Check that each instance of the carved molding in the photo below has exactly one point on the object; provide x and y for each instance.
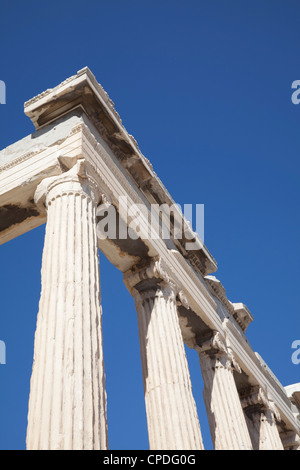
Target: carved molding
(21, 159)
(238, 311)
(253, 396)
(216, 288)
(157, 271)
(32, 153)
(256, 398)
(80, 178)
(153, 270)
(215, 347)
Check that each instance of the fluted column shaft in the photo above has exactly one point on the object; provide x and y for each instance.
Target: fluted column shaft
(262, 415)
(67, 406)
(269, 435)
(225, 414)
(171, 410)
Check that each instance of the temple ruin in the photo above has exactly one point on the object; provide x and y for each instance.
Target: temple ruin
(79, 161)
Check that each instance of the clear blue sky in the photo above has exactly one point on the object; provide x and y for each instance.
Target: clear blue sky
(205, 88)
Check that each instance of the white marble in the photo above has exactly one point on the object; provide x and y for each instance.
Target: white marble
(67, 408)
(225, 414)
(171, 410)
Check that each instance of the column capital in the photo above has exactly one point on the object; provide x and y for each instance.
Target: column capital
(154, 269)
(263, 418)
(153, 274)
(255, 399)
(215, 347)
(80, 179)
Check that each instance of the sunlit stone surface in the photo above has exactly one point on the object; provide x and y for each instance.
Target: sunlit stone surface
(80, 160)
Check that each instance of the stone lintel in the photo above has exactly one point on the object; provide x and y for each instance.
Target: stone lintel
(25, 164)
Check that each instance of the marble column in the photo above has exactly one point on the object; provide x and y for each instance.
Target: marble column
(224, 410)
(262, 416)
(172, 417)
(67, 404)
(290, 440)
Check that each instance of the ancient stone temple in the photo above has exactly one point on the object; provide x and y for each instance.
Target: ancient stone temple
(75, 173)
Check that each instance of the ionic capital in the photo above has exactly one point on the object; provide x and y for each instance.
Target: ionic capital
(214, 344)
(144, 279)
(215, 347)
(80, 179)
(255, 399)
(153, 270)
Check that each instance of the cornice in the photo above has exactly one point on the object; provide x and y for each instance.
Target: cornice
(238, 311)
